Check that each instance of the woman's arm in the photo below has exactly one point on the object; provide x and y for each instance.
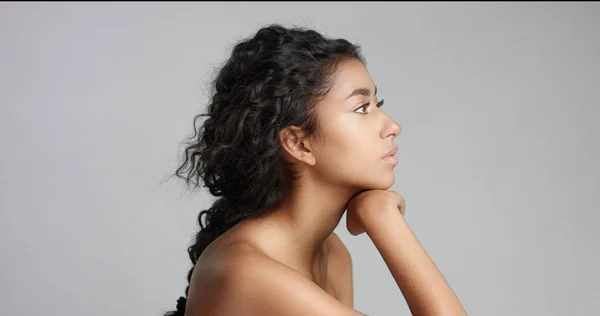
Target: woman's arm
(423, 286)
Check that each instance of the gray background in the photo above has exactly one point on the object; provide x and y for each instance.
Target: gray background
(499, 156)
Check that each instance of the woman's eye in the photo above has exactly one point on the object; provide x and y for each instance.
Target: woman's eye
(364, 106)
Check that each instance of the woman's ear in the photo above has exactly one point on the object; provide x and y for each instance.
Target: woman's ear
(296, 145)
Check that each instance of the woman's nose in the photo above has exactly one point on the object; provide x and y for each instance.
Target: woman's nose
(392, 128)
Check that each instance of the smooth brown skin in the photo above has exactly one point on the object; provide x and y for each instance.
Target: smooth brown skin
(290, 262)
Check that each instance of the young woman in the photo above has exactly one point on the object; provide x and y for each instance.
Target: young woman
(294, 136)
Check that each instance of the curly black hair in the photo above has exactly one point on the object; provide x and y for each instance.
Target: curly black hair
(271, 80)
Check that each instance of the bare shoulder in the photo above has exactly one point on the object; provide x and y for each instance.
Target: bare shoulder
(244, 281)
(340, 270)
(338, 249)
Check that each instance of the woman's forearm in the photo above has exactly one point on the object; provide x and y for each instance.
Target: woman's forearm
(423, 286)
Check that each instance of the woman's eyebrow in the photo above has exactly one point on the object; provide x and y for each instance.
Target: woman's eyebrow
(361, 91)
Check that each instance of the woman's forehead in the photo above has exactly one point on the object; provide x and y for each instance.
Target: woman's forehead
(351, 79)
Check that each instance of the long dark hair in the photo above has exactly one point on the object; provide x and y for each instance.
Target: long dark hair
(270, 81)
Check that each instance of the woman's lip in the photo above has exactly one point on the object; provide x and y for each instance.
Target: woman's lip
(390, 159)
(390, 156)
(392, 152)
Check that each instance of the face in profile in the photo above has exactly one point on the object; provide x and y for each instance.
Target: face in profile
(356, 134)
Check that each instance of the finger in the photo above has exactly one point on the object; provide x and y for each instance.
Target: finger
(399, 198)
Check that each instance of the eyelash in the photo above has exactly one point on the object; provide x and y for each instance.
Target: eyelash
(380, 104)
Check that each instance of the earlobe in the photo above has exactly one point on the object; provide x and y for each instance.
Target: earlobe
(310, 159)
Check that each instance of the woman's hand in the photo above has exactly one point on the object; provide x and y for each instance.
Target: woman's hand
(369, 206)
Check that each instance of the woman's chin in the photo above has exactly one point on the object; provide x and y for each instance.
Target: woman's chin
(383, 182)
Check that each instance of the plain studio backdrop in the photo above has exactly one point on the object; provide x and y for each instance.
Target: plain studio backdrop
(499, 156)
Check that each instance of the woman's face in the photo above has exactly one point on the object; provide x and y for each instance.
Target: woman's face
(354, 136)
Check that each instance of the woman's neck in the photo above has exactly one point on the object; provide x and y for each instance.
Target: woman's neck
(305, 219)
